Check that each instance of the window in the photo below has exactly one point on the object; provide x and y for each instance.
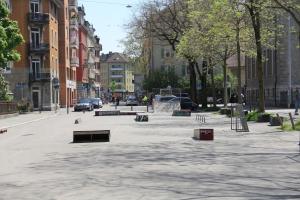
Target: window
(36, 67)
(34, 6)
(35, 37)
(7, 69)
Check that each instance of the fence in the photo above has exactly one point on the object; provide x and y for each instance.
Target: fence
(8, 108)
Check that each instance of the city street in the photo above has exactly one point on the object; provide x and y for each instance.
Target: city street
(146, 160)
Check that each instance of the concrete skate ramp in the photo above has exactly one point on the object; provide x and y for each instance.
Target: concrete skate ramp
(167, 107)
(91, 136)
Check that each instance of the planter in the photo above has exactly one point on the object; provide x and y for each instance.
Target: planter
(263, 117)
(274, 121)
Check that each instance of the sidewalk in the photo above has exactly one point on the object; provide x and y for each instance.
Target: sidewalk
(30, 117)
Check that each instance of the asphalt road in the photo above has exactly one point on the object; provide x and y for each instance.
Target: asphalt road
(144, 161)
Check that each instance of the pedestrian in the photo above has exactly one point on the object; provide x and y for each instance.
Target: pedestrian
(145, 99)
(118, 101)
(297, 101)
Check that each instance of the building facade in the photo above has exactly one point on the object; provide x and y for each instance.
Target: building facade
(88, 74)
(35, 78)
(116, 70)
(160, 56)
(281, 69)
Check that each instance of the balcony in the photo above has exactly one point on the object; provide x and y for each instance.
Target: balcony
(73, 22)
(43, 76)
(74, 62)
(117, 69)
(73, 5)
(40, 48)
(117, 76)
(92, 74)
(38, 18)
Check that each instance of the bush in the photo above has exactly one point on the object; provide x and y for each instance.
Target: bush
(24, 107)
(252, 116)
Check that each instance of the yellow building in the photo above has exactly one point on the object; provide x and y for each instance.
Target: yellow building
(116, 68)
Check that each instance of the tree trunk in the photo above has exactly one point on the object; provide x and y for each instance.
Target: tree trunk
(225, 78)
(255, 17)
(213, 84)
(239, 75)
(204, 85)
(193, 85)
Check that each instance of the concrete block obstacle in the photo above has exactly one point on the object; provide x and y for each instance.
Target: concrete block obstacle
(78, 121)
(128, 113)
(3, 130)
(107, 112)
(91, 136)
(181, 113)
(204, 134)
(141, 118)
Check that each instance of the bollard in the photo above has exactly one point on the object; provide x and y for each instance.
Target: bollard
(131, 108)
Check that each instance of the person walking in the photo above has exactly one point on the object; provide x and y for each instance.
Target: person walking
(297, 101)
(145, 99)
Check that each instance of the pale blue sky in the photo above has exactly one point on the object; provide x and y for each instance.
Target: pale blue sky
(108, 18)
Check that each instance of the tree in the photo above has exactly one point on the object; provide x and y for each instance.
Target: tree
(167, 20)
(10, 38)
(162, 79)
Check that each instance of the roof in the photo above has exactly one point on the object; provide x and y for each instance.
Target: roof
(114, 58)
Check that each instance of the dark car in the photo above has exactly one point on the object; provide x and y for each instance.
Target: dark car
(185, 103)
(97, 102)
(84, 104)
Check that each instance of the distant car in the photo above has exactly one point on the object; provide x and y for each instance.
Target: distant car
(84, 104)
(97, 102)
(185, 103)
(166, 98)
(132, 101)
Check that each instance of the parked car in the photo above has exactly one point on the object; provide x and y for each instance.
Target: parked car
(185, 103)
(84, 104)
(132, 101)
(160, 98)
(97, 102)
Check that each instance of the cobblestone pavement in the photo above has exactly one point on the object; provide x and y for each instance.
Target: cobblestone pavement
(144, 161)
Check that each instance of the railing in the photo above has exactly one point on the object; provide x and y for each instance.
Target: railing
(40, 76)
(74, 61)
(73, 21)
(8, 107)
(38, 48)
(38, 17)
(73, 3)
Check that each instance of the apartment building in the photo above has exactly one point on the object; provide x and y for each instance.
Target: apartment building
(87, 74)
(35, 78)
(67, 73)
(281, 69)
(115, 67)
(160, 56)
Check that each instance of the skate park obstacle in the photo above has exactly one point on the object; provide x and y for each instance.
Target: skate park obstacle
(141, 118)
(91, 136)
(204, 134)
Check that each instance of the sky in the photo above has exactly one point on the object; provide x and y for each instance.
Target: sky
(109, 18)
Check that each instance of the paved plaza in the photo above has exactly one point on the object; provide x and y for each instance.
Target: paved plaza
(145, 161)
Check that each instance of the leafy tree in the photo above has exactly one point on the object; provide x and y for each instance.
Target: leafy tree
(163, 79)
(113, 86)
(10, 38)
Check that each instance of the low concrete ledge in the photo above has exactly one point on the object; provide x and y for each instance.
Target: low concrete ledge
(107, 112)
(128, 112)
(204, 134)
(181, 113)
(91, 136)
(141, 118)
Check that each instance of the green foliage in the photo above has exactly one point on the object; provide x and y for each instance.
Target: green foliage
(10, 37)
(252, 116)
(163, 79)
(287, 126)
(4, 91)
(113, 86)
